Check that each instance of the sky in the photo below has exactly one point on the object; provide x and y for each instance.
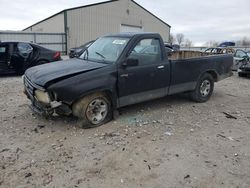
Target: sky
(199, 20)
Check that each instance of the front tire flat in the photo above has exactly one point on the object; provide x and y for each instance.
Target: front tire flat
(93, 110)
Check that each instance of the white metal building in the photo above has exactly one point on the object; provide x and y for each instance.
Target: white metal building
(85, 23)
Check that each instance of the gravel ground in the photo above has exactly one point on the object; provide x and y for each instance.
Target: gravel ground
(170, 142)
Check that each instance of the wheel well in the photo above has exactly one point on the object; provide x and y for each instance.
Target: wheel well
(213, 74)
(107, 93)
(111, 98)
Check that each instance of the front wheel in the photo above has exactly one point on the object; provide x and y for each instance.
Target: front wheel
(204, 89)
(93, 110)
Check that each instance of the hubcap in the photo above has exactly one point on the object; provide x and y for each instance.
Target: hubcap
(205, 88)
(97, 111)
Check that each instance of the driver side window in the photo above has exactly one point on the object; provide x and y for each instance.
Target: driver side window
(147, 51)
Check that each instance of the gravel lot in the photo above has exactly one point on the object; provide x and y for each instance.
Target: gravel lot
(170, 142)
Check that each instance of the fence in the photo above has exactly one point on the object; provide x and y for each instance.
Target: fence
(53, 41)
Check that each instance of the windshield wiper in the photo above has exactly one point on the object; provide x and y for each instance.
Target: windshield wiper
(87, 54)
(100, 55)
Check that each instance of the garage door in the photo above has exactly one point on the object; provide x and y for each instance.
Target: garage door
(128, 28)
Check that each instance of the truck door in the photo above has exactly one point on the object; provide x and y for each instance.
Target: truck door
(145, 74)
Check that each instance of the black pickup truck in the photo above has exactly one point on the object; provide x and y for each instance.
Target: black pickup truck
(120, 70)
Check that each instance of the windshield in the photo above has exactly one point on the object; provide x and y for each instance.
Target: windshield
(105, 49)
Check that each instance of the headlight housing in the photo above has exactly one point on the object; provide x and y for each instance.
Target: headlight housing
(42, 96)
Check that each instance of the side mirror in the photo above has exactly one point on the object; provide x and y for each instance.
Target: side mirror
(130, 62)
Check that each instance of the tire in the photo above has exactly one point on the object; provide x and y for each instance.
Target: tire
(242, 74)
(204, 89)
(93, 110)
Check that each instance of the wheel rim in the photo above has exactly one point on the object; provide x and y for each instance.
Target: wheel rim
(205, 88)
(97, 111)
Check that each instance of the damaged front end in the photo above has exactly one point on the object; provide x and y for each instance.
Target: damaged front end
(43, 102)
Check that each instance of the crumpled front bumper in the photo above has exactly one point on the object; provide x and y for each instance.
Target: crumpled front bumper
(41, 108)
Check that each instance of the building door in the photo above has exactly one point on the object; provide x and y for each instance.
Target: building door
(129, 28)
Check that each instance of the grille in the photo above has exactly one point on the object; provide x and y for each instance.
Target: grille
(28, 87)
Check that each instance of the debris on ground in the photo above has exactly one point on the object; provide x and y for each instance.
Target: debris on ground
(28, 175)
(220, 135)
(149, 167)
(4, 150)
(40, 126)
(168, 133)
(229, 116)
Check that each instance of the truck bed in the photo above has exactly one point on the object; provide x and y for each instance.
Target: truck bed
(187, 66)
(178, 55)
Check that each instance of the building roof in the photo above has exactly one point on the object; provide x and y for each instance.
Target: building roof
(130, 34)
(95, 4)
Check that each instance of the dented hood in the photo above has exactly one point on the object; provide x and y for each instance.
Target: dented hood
(51, 72)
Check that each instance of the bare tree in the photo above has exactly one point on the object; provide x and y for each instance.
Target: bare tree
(211, 43)
(245, 41)
(171, 38)
(179, 38)
(188, 43)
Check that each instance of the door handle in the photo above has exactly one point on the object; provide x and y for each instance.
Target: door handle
(161, 67)
(124, 75)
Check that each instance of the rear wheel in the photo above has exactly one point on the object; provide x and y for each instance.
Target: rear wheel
(204, 89)
(93, 110)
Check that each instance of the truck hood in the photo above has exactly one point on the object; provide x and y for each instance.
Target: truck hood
(56, 71)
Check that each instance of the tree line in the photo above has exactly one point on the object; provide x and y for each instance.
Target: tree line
(180, 39)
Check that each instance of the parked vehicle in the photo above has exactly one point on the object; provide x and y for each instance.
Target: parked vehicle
(120, 70)
(226, 44)
(171, 47)
(240, 57)
(244, 69)
(220, 50)
(244, 63)
(16, 57)
(77, 52)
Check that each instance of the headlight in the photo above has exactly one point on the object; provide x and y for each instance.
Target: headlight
(42, 96)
